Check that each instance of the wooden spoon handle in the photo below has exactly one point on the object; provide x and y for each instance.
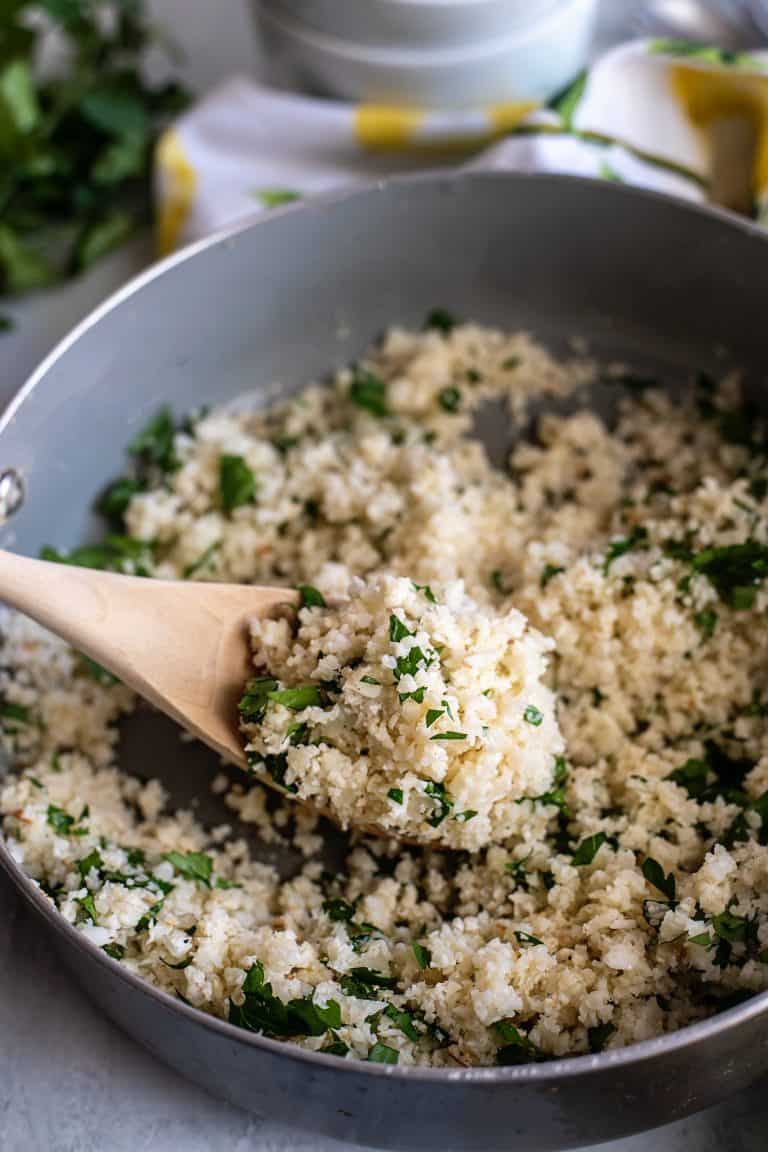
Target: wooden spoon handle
(181, 645)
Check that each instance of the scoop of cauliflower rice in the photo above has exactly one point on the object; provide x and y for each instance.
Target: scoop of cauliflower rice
(406, 708)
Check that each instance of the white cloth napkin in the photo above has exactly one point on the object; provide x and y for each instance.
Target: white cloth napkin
(648, 113)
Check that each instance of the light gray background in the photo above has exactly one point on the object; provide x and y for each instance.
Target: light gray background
(69, 1080)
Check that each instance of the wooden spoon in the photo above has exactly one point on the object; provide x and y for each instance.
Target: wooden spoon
(181, 645)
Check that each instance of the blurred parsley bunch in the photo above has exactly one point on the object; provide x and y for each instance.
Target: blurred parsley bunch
(76, 138)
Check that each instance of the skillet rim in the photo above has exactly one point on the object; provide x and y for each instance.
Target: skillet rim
(547, 1073)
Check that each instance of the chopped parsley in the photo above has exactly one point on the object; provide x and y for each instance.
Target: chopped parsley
(422, 954)
(396, 795)
(443, 802)
(237, 483)
(654, 874)
(382, 1054)
(202, 562)
(310, 597)
(449, 736)
(297, 699)
(88, 907)
(369, 680)
(450, 399)
(532, 715)
(116, 951)
(397, 630)
(465, 816)
(368, 391)
(365, 982)
(12, 716)
(339, 910)
(253, 704)
(433, 714)
(441, 320)
(154, 445)
(193, 865)
(637, 538)
(428, 593)
(548, 572)
(735, 571)
(527, 938)
(588, 848)
(64, 824)
(598, 1037)
(517, 1048)
(113, 503)
(706, 622)
(497, 579)
(262, 1011)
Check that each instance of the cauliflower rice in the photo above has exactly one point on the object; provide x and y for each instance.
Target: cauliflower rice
(613, 578)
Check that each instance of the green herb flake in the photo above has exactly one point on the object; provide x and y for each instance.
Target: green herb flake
(588, 849)
(339, 910)
(449, 736)
(88, 907)
(654, 874)
(310, 597)
(370, 680)
(548, 572)
(65, 825)
(262, 1011)
(598, 1037)
(13, 716)
(443, 801)
(116, 951)
(397, 630)
(276, 197)
(637, 538)
(532, 715)
(237, 483)
(369, 392)
(706, 622)
(440, 320)
(155, 444)
(395, 795)
(195, 866)
(382, 1054)
(433, 714)
(297, 699)
(253, 704)
(364, 983)
(203, 561)
(422, 954)
(517, 1048)
(114, 503)
(428, 593)
(465, 816)
(527, 938)
(449, 399)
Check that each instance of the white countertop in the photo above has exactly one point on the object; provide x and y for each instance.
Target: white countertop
(69, 1080)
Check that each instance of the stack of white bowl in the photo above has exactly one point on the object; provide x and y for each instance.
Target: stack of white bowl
(429, 52)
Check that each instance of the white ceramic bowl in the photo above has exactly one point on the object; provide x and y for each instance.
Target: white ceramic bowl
(529, 64)
(413, 23)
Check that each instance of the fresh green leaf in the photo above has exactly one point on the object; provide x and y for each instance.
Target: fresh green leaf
(588, 848)
(441, 320)
(339, 910)
(397, 630)
(428, 593)
(396, 795)
(310, 597)
(382, 1054)
(637, 538)
(155, 445)
(262, 1011)
(88, 906)
(433, 714)
(365, 982)
(517, 1047)
(202, 561)
(449, 399)
(116, 951)
(91, 861)
(193, 865)
(101, 236)
(403, 1020)
(64, 824)
(297, 699)
(598, 1037)
(13, 716)
(548, 573)
(527, 938)
(422, 954)
(654, 874)
(275, 198)
(706, 622)
(253, 703)
(237, 483)
(693, 776)
(18, 99)
(114, 503)
(370, 680)
(368, 391)
(465, 816)
(533, 715)
(449, 736)
(443, 801)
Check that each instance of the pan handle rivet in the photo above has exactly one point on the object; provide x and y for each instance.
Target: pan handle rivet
(11, 493)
